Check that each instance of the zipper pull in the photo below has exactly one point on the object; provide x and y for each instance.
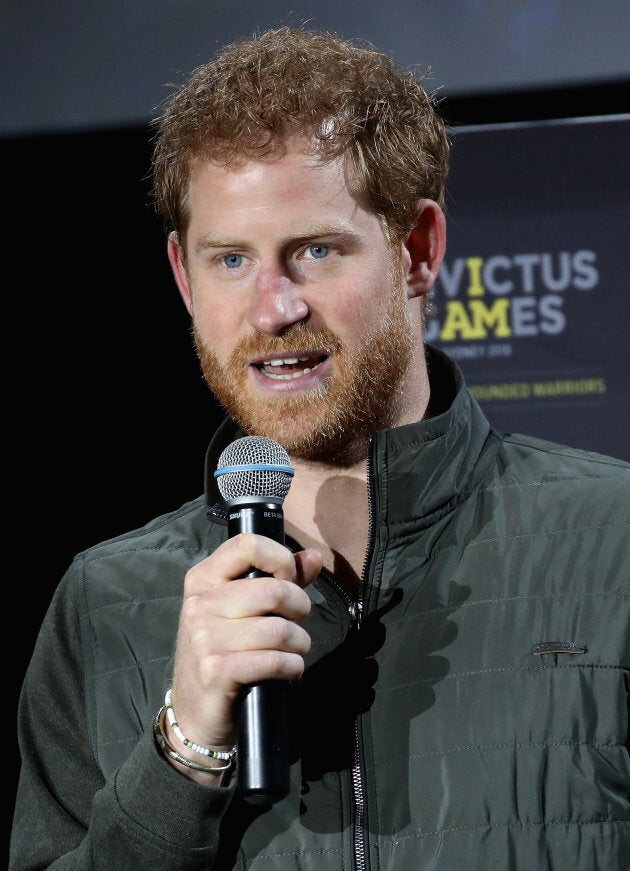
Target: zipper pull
(356, 612)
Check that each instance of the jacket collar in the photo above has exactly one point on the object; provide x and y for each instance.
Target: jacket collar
(419, 470)
(422, 470)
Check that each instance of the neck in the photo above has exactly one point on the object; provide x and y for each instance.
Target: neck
(327, 508)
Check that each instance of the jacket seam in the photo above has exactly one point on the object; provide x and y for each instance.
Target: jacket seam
(473, 748)
(514, 825)
(505, 669)
(516, 536)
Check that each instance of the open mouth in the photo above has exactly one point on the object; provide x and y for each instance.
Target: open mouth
(288, 368)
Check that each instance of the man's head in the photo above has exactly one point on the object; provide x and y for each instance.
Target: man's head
(346, 100)
(303, 179)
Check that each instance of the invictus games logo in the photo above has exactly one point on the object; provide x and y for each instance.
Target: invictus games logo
(508, 297)
(482, 307)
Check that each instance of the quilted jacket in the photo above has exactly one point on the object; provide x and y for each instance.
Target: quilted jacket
(470, 711)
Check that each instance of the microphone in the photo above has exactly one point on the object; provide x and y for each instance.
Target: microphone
(253, 476)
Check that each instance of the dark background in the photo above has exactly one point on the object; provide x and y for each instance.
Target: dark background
(109, 416)
(82, 66)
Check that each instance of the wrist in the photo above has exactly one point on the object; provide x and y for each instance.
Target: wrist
(215, 767)
(172, 728)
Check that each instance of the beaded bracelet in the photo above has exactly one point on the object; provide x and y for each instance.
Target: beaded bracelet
(198, 748)
(165, 745)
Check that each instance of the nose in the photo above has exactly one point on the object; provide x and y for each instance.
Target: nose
(277, 301)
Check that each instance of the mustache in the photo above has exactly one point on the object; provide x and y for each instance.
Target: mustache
(297, 337)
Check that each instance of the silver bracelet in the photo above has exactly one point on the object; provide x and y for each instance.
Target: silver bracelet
(166, 747)
(198, 748)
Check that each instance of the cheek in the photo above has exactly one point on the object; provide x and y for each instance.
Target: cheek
(369, 301)
(218, 323)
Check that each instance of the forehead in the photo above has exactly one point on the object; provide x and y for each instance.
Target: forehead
(279, 187)
(292, 162)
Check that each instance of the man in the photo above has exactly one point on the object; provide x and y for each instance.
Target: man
(451, 613)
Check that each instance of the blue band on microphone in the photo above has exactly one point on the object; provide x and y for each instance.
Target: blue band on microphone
(254, 467)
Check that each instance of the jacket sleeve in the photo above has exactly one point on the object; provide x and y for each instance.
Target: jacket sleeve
(67, 816)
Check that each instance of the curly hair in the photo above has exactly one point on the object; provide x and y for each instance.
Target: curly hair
(345, 100)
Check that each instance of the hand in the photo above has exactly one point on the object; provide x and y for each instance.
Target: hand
(235, 631)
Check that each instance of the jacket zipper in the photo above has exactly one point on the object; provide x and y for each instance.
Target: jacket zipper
(355, 609)
(360, 855)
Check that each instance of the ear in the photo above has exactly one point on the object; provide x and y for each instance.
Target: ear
(424, 248)
(176, 259)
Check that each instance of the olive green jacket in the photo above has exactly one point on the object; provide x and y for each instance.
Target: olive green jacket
(474, 716)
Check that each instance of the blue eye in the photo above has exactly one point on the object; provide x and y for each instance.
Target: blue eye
(232, 261)
(318, 251)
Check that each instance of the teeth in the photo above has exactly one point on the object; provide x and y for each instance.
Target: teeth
(279, 377)
(288, 361)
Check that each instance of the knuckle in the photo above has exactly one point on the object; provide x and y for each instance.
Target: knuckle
(191, 606)
(246, 543)
(277, 663)
(212, 669)
(193, 578)
(279, 631)
(275, 592)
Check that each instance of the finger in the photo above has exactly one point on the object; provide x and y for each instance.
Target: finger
(221, 674)
(238, 555)
(262, 633)
(308, 564)
(251, 667)
(247, 597)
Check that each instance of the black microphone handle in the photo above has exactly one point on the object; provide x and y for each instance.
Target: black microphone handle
(263, 743)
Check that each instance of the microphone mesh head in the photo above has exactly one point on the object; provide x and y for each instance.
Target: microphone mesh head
(254, 466)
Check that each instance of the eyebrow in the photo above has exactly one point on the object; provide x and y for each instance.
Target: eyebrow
(338, 231)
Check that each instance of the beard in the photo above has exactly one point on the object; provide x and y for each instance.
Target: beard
(331, 424)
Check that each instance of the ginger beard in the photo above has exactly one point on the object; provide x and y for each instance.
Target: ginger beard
(332, 423)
